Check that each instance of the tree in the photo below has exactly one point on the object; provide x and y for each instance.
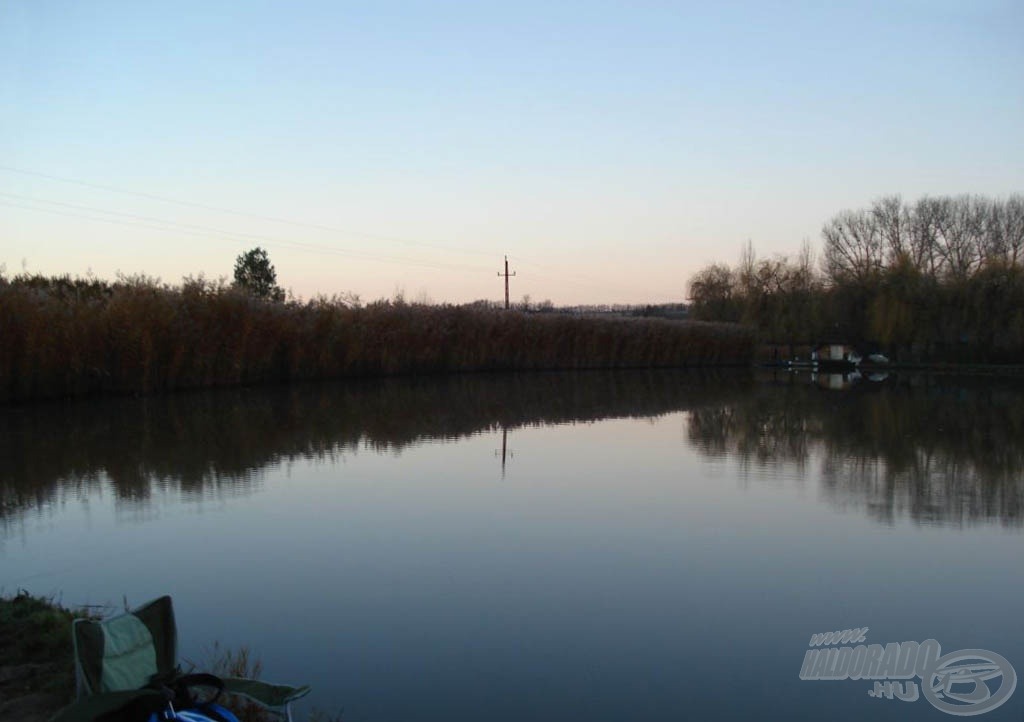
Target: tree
(255, 274)
(854, 247)
(713, 294)
(1005, 231)
(960, 226)
(893, 221)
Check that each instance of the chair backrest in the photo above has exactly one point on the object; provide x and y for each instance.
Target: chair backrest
(124, 652)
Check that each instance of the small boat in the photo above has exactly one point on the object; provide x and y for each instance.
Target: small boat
(835, 357)
(836, 381)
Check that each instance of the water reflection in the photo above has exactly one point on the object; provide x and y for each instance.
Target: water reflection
(932, 449)
(939, 450)
(214, 444)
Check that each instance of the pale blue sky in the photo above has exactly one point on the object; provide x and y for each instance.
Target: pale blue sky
(610, 149)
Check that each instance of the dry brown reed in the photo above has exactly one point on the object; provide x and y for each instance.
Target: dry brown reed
(63, 337)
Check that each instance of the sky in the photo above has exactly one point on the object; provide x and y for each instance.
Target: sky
(609, 149)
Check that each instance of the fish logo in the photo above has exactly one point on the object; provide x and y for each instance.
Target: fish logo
(958, 684)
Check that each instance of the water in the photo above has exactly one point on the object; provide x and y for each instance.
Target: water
(559, 546)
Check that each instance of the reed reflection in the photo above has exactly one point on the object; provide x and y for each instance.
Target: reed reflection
(215, 443)
(937, 450)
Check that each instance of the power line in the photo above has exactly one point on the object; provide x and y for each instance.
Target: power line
(213, 233)
(245, 214)
(91, 209)
(207, 231)
(584, 281)
(217, 232)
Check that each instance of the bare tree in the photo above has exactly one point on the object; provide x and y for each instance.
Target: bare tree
(802, 276)
(1013, 227)
(959, 224)
(925, 224)
(1004, 230)
(747, 268)
(854, 247)
(893, 221)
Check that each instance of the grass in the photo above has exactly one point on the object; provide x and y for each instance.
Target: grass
(37, 631)
(242, 662)
(65, 337)
(35, 636)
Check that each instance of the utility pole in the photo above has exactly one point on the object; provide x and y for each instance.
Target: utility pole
(506, 274)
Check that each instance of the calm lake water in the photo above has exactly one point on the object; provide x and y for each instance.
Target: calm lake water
(602, 546)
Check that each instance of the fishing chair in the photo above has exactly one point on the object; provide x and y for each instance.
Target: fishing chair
(127, 661)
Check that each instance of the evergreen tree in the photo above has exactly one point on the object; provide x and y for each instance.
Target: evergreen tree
(255, 274)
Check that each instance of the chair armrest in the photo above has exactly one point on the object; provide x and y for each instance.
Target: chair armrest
(269, 695)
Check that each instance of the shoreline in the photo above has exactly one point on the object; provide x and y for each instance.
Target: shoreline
(37, 673)
(139, 338)
(945, 369)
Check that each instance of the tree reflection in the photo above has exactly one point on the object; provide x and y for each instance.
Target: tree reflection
(931, 449)
(934, 449)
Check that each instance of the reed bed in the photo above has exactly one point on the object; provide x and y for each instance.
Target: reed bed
(62, 337)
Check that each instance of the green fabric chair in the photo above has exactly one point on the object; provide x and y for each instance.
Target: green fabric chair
(115, 660)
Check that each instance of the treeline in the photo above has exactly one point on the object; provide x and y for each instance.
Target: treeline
(646, 310)
(941, 279)
(70, 337)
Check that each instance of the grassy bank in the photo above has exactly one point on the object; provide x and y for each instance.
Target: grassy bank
(71, 337)
(38, 675)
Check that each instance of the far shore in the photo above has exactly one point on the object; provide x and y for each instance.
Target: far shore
(67, 338)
